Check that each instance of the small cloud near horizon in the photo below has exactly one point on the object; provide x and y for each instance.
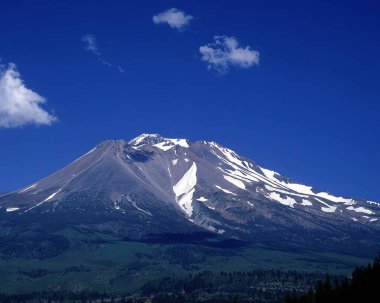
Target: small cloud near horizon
(19, 105)
(225, 52)
(174, 18)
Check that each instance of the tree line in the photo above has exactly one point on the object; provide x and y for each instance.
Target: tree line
(362, 287)
(259, 286)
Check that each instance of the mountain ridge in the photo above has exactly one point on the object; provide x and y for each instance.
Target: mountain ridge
(155, 185)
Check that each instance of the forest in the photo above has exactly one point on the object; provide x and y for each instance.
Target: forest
(259, 286)
(362, 287)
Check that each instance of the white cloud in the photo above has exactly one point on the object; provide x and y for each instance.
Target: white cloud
(90, 44)
(20, 105)
(174, 18)
(225, 52)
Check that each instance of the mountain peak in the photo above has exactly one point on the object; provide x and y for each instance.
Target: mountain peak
(157, 141)
(145, 138)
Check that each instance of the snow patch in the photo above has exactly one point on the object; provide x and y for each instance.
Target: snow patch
(164, 146)
(141, 138)
(300, 188)
(202, 199)
(335, 199)
(270, 188)
(288, 201)
(306, 202)
(241, 175)
(270, 174)
(225, 190)
(137, 147)
(330, 209)
(211, 228)
(11, 209)
(323, 202)
(46, 200)
(174, 162)
(180, 142)
(304, 189)
(373, 203)
(360, 210)
(185, 188)
(240, 171)
(52, 195)
(134, 204)
(167, 144)
(307, 190)
(235, 182)
(28, 188)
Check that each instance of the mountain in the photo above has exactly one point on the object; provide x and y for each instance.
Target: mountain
(152, 187)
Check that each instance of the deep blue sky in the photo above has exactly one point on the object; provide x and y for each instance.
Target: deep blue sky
(310, 110)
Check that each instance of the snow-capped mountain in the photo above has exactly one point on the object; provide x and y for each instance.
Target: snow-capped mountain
(152, 185)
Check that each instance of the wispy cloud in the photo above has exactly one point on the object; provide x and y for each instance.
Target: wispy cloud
(19, 105)
(225, 52)
(174, 18)
(90, 44)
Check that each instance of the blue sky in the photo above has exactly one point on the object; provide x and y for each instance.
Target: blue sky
(307, 107)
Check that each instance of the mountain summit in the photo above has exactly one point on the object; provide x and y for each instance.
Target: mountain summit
(154, 185)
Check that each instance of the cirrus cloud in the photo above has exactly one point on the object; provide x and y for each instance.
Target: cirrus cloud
(225, 52)
(19, 105)
(90, 44)
(174, 18)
